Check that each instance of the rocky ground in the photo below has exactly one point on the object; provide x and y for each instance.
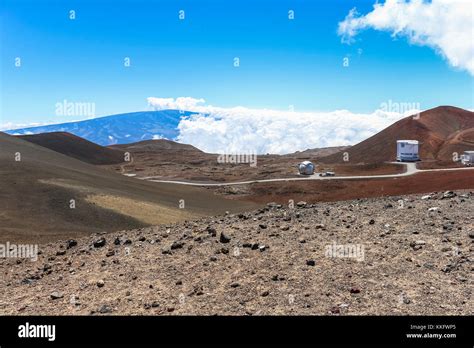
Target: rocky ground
(417, 259)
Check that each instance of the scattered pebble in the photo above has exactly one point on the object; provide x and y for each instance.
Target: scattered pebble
(56, 295)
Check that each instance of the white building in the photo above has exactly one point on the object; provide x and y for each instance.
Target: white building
(306, 168)
(407, 150)
(467, 158)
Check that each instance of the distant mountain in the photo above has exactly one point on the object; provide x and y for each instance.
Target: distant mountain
(76, 147)
(317, 152)
(155, 145)
(118, 129)
(441, 131)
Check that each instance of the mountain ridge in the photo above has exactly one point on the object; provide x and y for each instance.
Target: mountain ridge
(76, 147)
(117, 129)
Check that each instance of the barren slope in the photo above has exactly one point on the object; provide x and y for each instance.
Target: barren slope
(36, 194)
(76, 147)
(270, 261)
(155, 146)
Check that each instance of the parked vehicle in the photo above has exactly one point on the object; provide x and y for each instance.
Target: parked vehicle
(467, 158)
(327, 174)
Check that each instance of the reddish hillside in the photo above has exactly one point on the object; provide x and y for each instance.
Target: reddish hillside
(76, 147)
(458, 142)
(441, 131)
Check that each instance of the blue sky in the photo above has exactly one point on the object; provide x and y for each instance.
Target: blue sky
(282, 62)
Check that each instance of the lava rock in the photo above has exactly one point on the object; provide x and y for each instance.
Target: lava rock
(448, 195)
(176, 245)
(301, 204)
(225, 251)
(223, 238)
(71, 243)
(99, 243)
(212, 231)
(56, 295)
(105, 309)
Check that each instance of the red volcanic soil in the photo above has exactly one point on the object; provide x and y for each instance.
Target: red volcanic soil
(441, 131)
(73, 146)
(362, 169)
(457, 143)
(336, 190)
(433, 164)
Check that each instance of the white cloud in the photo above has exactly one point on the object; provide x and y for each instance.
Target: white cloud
(447, 26)
(11, 125)
(181, 103)
(240, 129)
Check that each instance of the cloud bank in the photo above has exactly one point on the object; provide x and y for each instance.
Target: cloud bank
(447, 26)
(240, 130)
(11, 125)
(180, 103)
